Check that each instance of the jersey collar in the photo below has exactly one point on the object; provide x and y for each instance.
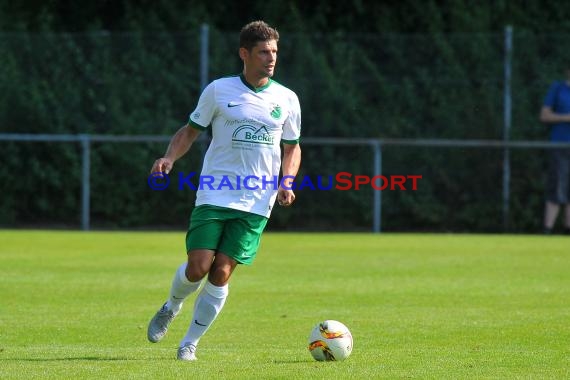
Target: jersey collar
(254, 89)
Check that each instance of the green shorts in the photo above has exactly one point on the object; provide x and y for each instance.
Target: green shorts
(235, 233)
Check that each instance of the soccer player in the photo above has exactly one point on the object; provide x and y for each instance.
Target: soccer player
(251, 115)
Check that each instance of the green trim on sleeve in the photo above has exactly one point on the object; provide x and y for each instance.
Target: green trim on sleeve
(290, 142)
(195, 125)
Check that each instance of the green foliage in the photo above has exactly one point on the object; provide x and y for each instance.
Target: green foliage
(97, 83)
(372, 71)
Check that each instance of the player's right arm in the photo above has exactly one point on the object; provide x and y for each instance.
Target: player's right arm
(179, 145)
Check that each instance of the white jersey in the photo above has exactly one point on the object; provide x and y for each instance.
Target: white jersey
(242, 164)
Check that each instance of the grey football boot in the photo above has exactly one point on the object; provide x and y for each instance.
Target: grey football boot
(158, 325)
(187, 352)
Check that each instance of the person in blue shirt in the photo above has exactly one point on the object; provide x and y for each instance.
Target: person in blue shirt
(555, 113)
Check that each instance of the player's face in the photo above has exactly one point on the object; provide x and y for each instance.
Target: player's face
(262, 58)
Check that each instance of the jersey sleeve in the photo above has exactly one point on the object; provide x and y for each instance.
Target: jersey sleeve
(292, 126)
(202, 116)
(550, 98)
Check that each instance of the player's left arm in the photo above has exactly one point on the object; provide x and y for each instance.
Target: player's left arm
(290, 167)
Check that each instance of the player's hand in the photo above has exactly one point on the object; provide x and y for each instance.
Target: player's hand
(285, 197)
(162, 165)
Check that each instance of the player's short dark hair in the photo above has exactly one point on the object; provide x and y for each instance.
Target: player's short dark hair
(255, 32)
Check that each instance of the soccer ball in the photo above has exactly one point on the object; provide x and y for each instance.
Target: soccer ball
(330, 340)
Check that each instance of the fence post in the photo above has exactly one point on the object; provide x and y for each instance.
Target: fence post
(377, 206)
(204, 66)
(507, 111)
(85, 180)
(204, 44)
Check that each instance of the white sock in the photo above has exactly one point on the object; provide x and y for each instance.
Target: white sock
(180, 289)
(208, 305)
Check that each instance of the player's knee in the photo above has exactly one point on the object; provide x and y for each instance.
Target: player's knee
(196, 271)
(199, 264)
(220, 274)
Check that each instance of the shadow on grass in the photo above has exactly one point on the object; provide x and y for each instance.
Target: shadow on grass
(94, 358)
(292, 361)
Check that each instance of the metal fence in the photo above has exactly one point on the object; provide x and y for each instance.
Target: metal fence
(448, 105)
(376, 148)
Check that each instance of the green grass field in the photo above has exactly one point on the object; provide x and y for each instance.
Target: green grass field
(76, 305)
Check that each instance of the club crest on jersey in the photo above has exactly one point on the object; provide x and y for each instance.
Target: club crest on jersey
(275, 111)
(248, 134)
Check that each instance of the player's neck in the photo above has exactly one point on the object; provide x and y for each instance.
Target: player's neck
(255, 81)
